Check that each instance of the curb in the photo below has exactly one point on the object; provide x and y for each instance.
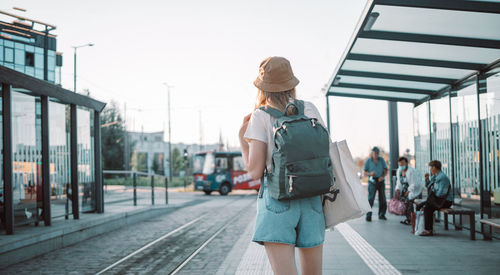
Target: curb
(38, 244)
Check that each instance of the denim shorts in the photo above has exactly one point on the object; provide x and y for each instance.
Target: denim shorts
(298, 222)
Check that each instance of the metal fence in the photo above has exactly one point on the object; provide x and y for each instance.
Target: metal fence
(120, 186)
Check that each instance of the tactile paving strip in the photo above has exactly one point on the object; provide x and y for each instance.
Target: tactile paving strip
(375, 261)
(254, 261)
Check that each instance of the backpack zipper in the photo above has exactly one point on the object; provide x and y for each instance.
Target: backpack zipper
(290, 182)
(313, 121)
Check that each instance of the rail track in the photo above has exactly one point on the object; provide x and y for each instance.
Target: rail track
(162, 254)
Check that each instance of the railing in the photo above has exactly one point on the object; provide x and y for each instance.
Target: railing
(130, 179)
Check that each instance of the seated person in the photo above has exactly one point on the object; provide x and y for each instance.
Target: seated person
(440, 195)
(408, 186)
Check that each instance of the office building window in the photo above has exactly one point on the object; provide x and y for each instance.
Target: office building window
(9, 55)
(29, 59)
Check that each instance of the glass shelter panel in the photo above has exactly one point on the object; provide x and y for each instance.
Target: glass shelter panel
(490, 137)
(441, 133)
(422, 137)
(437, 22)
(86, 178)
(391, 83)
(425, 51)
(26, 157)
(403, 69)
(60, 161)
(466, 145)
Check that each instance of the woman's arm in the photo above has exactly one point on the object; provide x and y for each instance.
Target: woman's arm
(255, 159)
(253, 152)
(398, 180)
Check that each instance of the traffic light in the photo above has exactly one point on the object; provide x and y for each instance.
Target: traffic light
(185, 154)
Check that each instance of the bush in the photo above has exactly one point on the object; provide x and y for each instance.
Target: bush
(146, 181)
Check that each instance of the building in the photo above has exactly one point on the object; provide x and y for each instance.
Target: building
(24, 48)
(151, 151)
(417, 52)
(50, 137)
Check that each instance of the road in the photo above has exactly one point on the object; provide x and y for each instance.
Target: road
(189, 240)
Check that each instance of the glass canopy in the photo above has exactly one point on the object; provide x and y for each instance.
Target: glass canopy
(412, 51)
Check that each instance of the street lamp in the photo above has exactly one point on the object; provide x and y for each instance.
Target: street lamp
(74, 68)
(169, 133)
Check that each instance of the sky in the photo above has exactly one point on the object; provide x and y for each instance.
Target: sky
(209, 53)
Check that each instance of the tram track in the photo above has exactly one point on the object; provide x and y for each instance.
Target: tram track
(162, 254)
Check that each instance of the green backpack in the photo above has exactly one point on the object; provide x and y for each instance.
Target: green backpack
(301, 164)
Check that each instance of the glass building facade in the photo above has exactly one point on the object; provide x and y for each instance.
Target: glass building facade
(49, 137)
(26, 56)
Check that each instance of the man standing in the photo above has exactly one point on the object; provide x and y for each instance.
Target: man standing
(376, 170)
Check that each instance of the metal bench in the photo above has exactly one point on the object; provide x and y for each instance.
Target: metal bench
(457, 210)
(493, 223)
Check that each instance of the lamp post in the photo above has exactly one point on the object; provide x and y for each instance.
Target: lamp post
(74, 68)
(169, 133)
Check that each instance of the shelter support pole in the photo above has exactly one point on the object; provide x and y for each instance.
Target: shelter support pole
(7, 159)
(485, 195)
(328, 114)
(393, 142)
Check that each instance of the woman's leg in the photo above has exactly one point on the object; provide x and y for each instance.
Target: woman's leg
(311, 260)
(282, 258)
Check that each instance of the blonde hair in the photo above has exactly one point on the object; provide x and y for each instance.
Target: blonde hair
(277, 100)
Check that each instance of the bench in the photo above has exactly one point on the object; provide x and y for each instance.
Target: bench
(457, 210)
(491, 222)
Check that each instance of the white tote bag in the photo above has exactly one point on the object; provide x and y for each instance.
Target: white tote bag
(419, 223)
(351, 201)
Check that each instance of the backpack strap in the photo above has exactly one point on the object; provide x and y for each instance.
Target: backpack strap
(273, 112)
(261, 189)
(299, 104)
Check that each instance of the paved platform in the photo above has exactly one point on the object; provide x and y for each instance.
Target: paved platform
(30, 240)
(381, 247)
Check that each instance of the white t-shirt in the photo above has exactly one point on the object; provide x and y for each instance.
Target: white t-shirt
(260, 127)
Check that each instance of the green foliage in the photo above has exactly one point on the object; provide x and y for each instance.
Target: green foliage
(178, 161)
(113, 136)
(141, 162)
(146, 181)
(156, 166)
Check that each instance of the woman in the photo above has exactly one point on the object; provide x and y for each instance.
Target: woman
(440, 195)
(280, 225)
(408, 187)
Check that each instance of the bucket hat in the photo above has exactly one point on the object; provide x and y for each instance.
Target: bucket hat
(275, 75)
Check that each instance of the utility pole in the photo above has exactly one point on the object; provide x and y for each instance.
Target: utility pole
(186, 167)
(169, 133)
(74, 64)
(201, 133)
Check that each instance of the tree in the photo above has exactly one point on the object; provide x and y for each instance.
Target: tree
(156, 166)
(177, 161)
(113, 138)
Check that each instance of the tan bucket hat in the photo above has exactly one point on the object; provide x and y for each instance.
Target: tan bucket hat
(275, 75)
